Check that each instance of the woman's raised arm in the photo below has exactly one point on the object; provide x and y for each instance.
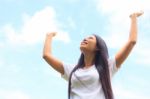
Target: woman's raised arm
(47, 54)
(123, 53)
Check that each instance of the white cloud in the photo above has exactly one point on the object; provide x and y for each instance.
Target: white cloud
(13, 95)
(122, 7)
(117, 12)
(35, 27)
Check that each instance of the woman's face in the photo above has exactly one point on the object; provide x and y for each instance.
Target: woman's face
(88, 44)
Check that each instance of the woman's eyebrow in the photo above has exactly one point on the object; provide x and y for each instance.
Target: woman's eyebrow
(90, 37)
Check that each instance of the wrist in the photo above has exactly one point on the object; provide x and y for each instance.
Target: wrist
(133, 19)
(49, 36)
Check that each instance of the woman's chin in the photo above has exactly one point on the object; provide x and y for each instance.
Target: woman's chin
(83, 48)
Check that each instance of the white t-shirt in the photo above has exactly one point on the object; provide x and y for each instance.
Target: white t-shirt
(85, 82)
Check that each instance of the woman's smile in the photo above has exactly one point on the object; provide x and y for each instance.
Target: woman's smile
(84, 42)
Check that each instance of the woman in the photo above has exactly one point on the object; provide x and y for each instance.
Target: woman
(91, 77)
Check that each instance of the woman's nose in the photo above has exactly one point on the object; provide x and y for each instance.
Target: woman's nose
(85, 39)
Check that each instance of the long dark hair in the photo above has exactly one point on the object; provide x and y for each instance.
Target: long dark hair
(101, 63)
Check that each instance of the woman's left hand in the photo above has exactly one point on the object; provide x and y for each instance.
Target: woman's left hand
(136, 14)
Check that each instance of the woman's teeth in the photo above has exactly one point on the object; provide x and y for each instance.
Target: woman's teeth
(84, 43)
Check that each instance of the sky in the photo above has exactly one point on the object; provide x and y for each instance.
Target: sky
(23, 26)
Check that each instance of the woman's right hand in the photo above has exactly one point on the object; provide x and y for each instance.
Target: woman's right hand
(51, 34)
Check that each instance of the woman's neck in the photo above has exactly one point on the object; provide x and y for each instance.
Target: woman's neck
(89, 59)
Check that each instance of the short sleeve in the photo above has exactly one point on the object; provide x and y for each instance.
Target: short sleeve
(112, 66)
(67, 70)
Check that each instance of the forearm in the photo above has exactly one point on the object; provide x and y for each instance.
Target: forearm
(47, 50)
(133, 31)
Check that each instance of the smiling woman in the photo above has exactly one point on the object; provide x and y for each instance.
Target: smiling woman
(91, 77)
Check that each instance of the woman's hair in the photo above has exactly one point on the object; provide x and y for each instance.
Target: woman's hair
(101, 63)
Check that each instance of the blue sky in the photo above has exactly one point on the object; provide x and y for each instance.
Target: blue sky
(24, 24)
